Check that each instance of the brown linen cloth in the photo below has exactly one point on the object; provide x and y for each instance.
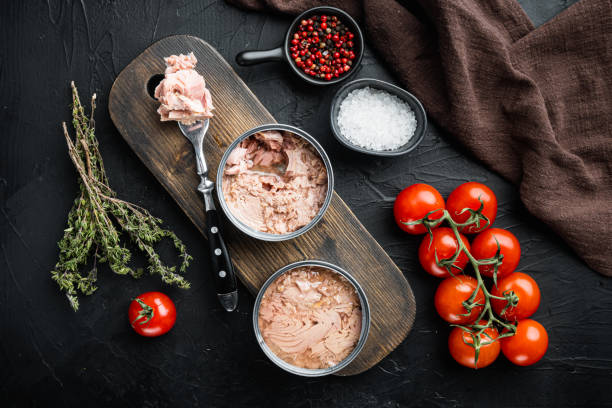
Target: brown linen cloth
(535, 105)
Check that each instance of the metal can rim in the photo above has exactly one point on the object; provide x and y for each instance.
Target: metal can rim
(307, 372)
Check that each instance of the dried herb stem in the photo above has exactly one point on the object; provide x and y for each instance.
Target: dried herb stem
(95, 215)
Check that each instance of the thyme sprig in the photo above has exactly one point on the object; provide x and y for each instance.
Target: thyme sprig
(98, 218)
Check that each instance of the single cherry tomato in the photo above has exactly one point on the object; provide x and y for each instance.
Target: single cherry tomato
(444, 245)
(451, 294)
(152, 314)
(528, 345)
(468, 195)
(465, 354)
(527, 291)
(484, 246)
(414, 203)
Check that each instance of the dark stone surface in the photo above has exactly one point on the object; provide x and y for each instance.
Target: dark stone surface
(50, 356)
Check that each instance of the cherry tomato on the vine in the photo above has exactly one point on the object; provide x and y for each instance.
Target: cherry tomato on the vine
(465, 354)
(152, 314)
(451, 294)
(527, 291)
(468, 195)
(414, 203)
(528, 345)
(484, 246)
(444, 245)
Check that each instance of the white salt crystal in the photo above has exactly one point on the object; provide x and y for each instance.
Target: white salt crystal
(376, 120)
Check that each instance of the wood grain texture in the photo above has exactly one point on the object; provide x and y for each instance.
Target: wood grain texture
(338, 238)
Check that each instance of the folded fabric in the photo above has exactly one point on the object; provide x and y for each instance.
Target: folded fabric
(534, 105)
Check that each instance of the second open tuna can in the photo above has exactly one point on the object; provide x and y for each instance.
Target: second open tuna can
(311, 318)
(276, 203)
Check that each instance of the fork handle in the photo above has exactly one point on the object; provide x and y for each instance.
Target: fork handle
(222, 268)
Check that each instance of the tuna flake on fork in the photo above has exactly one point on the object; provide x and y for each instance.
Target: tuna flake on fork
(182, 93)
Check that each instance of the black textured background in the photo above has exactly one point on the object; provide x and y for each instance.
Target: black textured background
(50, 356)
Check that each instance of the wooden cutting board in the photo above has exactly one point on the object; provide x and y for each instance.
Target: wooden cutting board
(338, 238)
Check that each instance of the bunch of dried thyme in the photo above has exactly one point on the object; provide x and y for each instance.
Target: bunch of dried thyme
(98, 218)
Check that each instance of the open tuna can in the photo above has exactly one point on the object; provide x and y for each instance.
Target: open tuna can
(275, 182)
(323, 46)
(311, 318)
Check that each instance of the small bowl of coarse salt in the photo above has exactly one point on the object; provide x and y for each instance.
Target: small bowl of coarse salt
(375, 117)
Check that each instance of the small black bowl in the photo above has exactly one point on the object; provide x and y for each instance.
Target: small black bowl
(410, 99)
(282, 53)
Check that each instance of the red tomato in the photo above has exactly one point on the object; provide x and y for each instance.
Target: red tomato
(465, 354)
(152, 314)
(444, 244)
(485, 246)
(528, 345)
(527, 291)
(451, 294)
(413, 203)
(468, 195)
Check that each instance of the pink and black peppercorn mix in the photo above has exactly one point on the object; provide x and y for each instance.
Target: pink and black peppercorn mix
(323, 47)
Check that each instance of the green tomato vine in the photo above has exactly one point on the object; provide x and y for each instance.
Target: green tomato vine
(477, 328)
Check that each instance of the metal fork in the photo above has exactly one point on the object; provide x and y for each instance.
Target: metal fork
(222, 268)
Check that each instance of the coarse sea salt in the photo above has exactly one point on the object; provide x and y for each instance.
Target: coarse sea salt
(376, 120)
